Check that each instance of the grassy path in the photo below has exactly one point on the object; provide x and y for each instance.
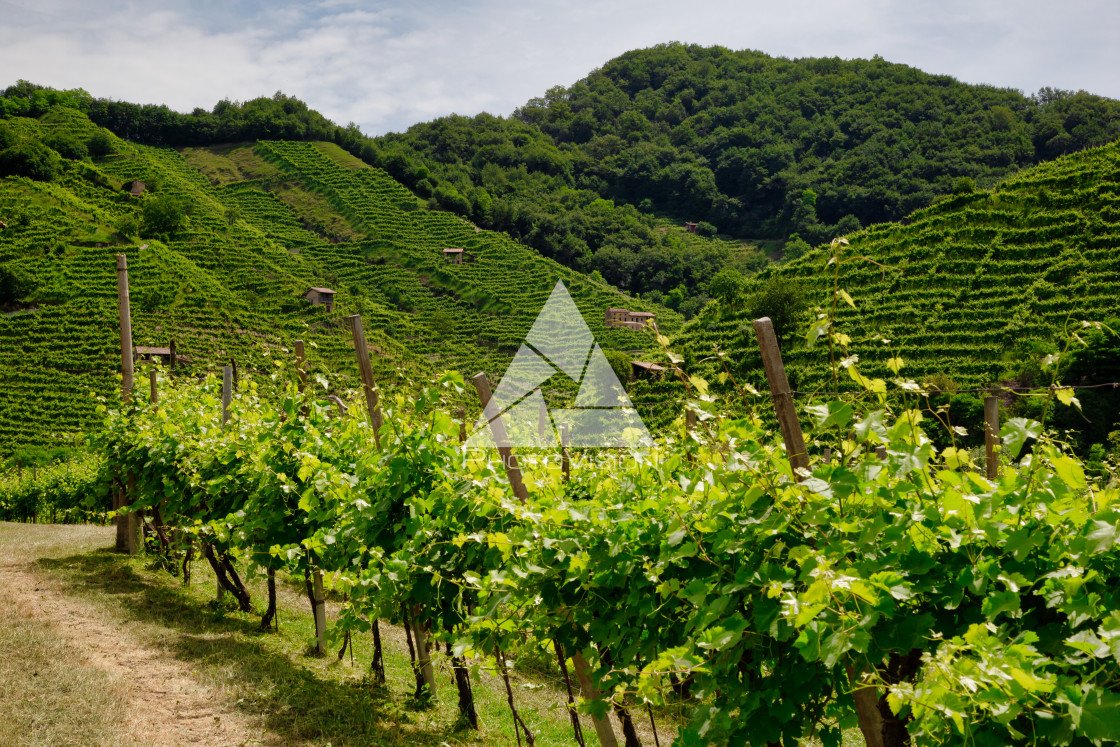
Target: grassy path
(105, 650)
(76, 674)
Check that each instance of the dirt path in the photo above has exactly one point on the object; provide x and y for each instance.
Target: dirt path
(165, 704)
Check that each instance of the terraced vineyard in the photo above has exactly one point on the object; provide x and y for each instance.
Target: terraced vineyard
(958, 287)
(267, 221)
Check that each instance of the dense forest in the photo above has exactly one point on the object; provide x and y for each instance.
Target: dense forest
(746, 145)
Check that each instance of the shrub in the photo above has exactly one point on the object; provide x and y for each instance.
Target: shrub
(704, 228)
(964, 185)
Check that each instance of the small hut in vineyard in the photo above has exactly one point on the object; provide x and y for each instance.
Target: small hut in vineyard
(320, 297)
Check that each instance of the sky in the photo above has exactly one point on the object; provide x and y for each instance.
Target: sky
(388, 65)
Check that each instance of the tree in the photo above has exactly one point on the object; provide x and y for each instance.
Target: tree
(101, 144)
(783, 300)
(14, 284)
(964, 185)
(620, 362)
(162, 215)
(127, 225)
(727, 286)
(31, 159)
(7, 137)
(795, 247)
(67, 146)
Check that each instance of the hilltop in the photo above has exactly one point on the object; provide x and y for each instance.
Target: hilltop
(222, 243)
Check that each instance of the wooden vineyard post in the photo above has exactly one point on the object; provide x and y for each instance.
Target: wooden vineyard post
(154, 387)
(320, 608)
(301, 364)
(513, 473)
(227, 400)
(587, 687)
(373, 406)
(127, 370)
(783, 398)
(689, 426)
(128, 525)
(174, 357)
(227, 393)
(498, 431)
(542, 417)
(991, 436)
(565, 457)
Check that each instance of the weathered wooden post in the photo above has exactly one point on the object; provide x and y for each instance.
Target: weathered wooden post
(174, 357)
(128, 525)
(301, 364)
(319, 598)
(542, 417)
(513, 473)
(498, 431)
(227, 393)
(227, 400)
(373, 405)
(783, 398)
(991, 436)
(565, 457)
(154, 387)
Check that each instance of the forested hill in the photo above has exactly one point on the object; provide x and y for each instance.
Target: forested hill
(753, 146)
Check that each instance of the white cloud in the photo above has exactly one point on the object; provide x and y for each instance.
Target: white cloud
(387, 65)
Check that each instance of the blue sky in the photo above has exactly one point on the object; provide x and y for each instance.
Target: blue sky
(386, 65)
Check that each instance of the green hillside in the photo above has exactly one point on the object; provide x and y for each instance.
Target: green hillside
(976, 287)
(265, 222)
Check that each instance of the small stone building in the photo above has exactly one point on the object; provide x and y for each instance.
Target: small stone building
(320, 297)
(691, 227)
(136, 188)
(454, 255)
(635, 320)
